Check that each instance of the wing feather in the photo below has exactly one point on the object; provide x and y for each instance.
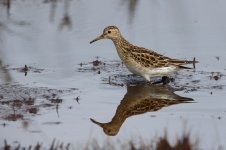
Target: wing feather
(149, 58)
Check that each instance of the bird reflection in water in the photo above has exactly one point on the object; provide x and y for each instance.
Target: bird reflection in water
(140, 99)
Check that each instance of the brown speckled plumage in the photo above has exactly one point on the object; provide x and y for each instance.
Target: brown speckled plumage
(138, 100)
(139, 60)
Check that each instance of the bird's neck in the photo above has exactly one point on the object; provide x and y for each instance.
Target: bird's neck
(123, 46)
(120, 41)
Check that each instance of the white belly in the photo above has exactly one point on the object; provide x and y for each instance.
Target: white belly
(162, 71)
(147, 73)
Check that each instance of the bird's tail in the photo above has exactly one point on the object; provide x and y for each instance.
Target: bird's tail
(179, 63)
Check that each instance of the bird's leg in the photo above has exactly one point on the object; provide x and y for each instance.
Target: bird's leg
(156, 82)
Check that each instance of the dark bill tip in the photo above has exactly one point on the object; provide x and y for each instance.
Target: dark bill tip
(96, 39)
(92, 41)
(94, 121)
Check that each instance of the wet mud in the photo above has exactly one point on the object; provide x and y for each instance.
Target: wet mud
(18, 102)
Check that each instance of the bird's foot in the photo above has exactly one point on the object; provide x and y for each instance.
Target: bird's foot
(165, 80)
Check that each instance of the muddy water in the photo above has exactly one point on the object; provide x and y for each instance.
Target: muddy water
(67, 81)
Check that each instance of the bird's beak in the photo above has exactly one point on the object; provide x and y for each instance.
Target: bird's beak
(98, 38)
(98, 123)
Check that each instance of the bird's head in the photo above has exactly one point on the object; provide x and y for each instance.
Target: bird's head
(110, 32)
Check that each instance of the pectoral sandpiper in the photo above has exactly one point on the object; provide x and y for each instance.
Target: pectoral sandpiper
(142, 61)
(140, 99)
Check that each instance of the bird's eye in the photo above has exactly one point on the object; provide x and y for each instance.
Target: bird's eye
(109, 31)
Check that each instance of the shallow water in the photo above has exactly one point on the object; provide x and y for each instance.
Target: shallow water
(63, 87)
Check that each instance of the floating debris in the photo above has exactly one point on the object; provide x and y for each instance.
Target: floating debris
(52, 123)
(97, 63)
(194, 63)
(26, 69)
(109, 80)
(80, 64)
(99, 66)
(215, 75)
(77, 99)
(56, 100)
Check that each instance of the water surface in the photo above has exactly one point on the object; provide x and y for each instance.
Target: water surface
(63, 88)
